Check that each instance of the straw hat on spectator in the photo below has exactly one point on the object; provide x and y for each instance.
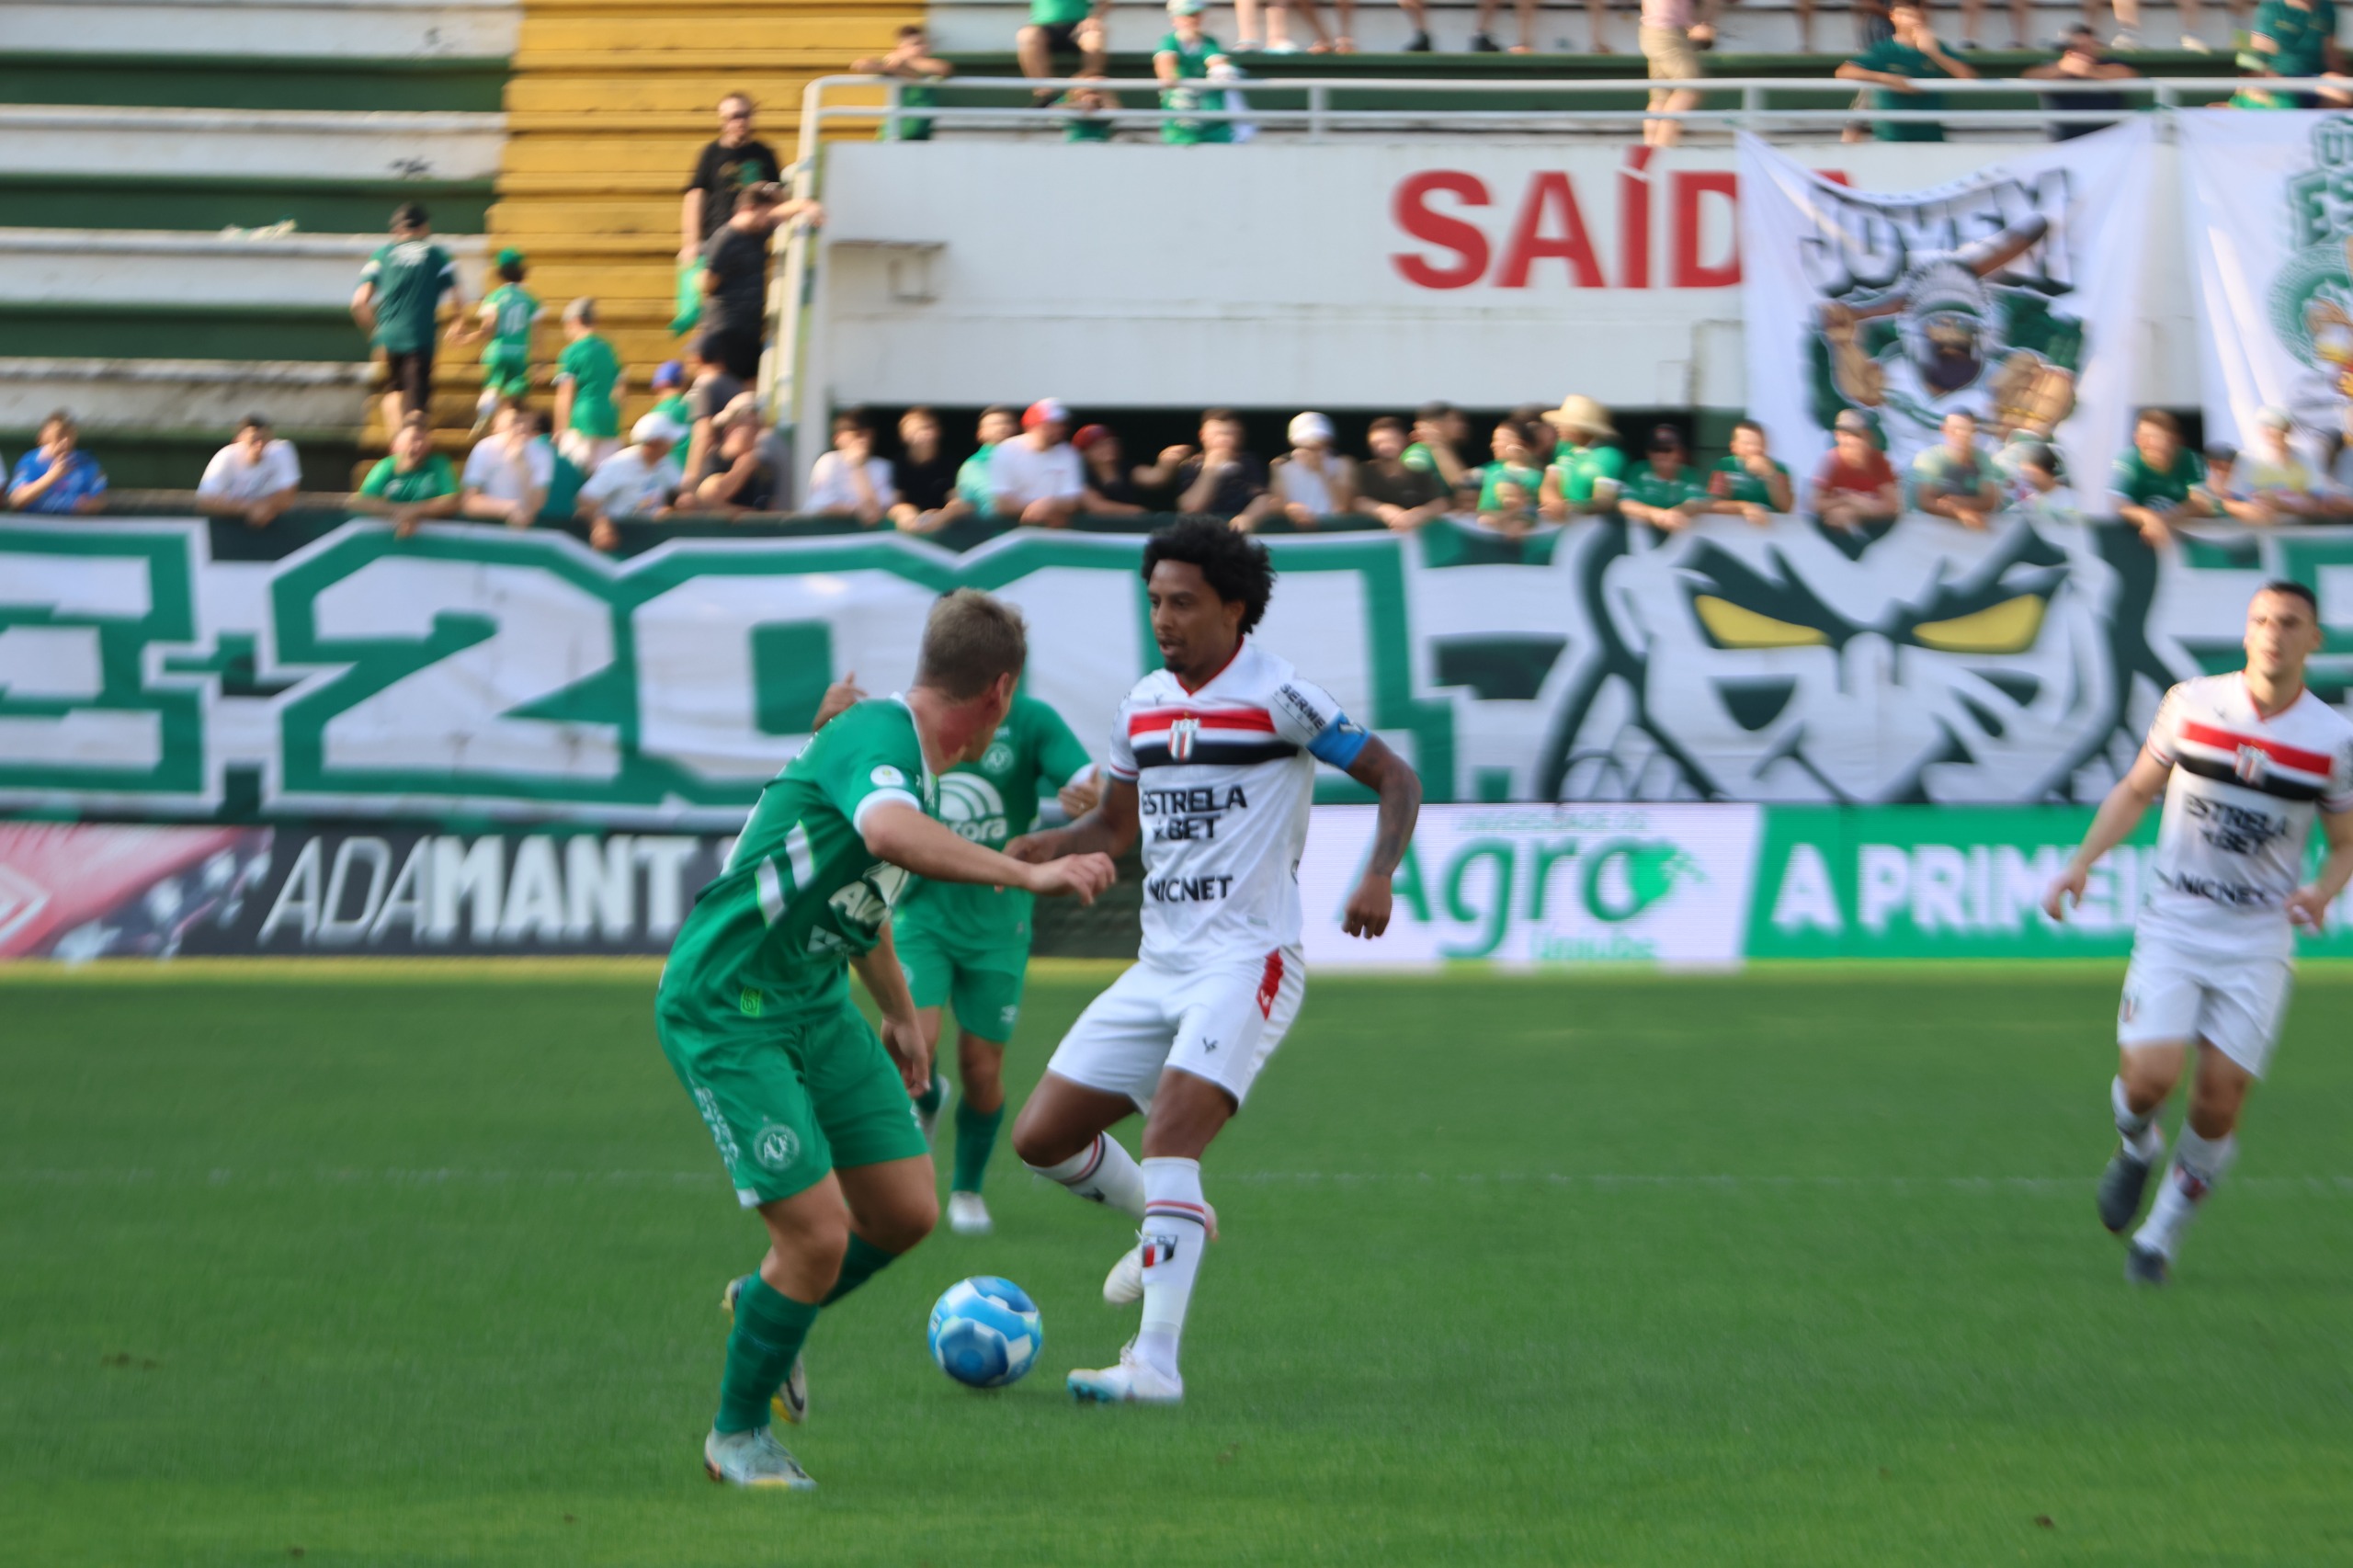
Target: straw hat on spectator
(1581, 415)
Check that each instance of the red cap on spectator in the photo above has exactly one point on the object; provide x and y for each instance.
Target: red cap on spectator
(1088, 434)
(1044, 410)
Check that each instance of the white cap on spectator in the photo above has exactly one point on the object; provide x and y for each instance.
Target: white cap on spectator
(2271, 416)
(1187, 7)
(657, 427)
(1311, 430)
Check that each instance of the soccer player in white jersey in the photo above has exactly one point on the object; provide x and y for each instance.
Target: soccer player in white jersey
(2243, 761)
(1215, 753)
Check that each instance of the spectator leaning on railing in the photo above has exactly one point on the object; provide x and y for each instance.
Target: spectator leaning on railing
(1036, 478)
(1665, 491)
(850, 481)
(561, 503)
(414, 485)
(1184, 56)
(2298, 38)
(57, 475)
(1954, 479)
(2044, 496)
(398, 305)
(2220, 493)
(1439, 430)
(506, 474)
(1511, 483)
(1312, 481)
(923, 474)
(741, 475)
(1748, 482)
(1897, 66)
(2152, 481)
(735, 278)
(912, 62)
(2274, 476)
(1588, 467)
(638, 480)
(1111, 489)
(255, 477)
(2080, 59)
(1855, 485)
(1402, 496)
(997, 426)
(1225, 479)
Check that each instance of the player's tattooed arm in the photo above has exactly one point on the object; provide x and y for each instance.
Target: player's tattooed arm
(2111, 825)
(2308, 905)
(1108, 829)
(1383, 772)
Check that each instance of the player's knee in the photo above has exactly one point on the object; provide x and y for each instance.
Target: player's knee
(816, 1242)
(2148, 1077)
(2214, 1106)
(909, 1218)
(1038, 1143)
(981, 1063)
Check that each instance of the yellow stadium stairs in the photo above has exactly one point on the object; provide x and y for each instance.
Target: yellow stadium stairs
(607, 105)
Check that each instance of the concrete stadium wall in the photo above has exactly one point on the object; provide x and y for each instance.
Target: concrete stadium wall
(280, 28)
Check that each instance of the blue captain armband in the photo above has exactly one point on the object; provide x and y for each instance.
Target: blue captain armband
(1339, 742)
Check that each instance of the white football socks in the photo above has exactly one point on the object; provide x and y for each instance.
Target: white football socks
(1176, 1228)
(1103, 1173)
(2197, 1163)
(2138, 1128)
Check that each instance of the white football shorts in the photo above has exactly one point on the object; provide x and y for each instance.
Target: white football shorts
(1220, 1022)
(2173, 994)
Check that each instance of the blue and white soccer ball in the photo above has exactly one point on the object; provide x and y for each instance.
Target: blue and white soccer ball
(985, 1331)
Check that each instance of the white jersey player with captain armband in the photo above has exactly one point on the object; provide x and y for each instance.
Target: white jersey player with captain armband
(2246, 764)
(1213, 760)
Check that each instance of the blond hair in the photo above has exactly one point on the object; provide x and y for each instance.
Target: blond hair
(970, 640)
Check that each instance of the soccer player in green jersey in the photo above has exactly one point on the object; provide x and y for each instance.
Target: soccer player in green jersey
(808, 1105)
(970, 945)
(508, 315)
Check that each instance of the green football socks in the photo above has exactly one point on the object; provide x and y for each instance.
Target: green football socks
(975, 1142)
(862, 1262)
(770, 1329)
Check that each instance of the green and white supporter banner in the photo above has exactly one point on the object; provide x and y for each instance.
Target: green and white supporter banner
(480, 672)
(2014, 292)
(2268, 200)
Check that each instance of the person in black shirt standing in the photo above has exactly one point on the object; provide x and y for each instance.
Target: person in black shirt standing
(923, 474)
(735, 280)
(734, 161)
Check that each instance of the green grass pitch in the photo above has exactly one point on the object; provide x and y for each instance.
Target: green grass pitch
(1794, 1267)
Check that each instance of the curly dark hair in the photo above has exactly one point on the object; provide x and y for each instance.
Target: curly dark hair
(1234, 565)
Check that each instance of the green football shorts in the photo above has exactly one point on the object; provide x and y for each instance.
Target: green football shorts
(981, 983)
(507, 374)
(785, 1103)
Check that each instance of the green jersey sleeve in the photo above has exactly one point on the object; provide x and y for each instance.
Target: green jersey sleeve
(873, 758)
(379, 477)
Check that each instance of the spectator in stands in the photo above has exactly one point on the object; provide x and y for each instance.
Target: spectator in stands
(1062, 27)
(850, 481)
(1090, 107)
(1185, 55)
(1748, 482)
(2274, 475)
(1972, 17)
(2295, 38)
(2151, 484)
(735, 280)
(1589, 466)
(2081, 60)
(1401, 495)
(1672, 34)
(1511, 483)
(57, 475)
(923, 474)
(638, 480)
(589, 380)
(1665, 491)
(710, 392)
(413, 485)
(256, 476)
(1224, 479)
(1439, 430)
(2044, 496)
(741, 475)
(998, 425)
(1954, 479)
(1111, 489)
(736, 161)
(506, 474)
(1897, 66)
(1482, 40)
(561, 504)
(1036, 478)
(912, 62)
(502, 324)
(398, 305)
(1312, 481)
(1855, 485)
(670, 388)
(2221, 494)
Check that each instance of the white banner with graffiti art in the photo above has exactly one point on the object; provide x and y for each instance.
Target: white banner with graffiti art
(2015, 292)
(2268, 202)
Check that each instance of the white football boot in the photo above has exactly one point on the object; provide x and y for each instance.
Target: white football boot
(1124, 1285)
(753, 1459)
(1130, 1382)
(968, 1215)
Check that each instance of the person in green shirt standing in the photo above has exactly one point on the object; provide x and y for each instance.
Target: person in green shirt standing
(413, 483)
(1184, 55)
(508, 315)
(1667, 492)
(398, 305)
(807, 1103)
(2149, 486)
(588, 390)
(998, 425)
(1062, 27)
(2296, 38)
(911, 61)
(1897, 65)
(1748, 482)
(968, 947)
(1588, 467)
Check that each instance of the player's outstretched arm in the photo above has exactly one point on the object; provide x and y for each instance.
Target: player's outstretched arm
(1383, 772)
(2308, 905)
(1108, 829)
(2118, 816)
(908, 838)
